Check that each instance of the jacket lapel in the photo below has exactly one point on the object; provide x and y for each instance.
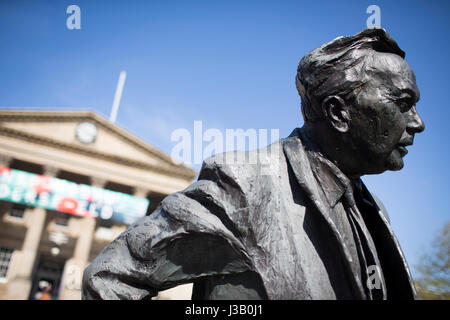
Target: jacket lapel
(399, 281)
(298, 159)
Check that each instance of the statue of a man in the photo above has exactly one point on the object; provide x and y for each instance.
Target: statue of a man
(299, 223)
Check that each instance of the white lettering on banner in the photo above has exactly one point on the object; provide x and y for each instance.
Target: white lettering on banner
(7, 176)
(43, 199)
(85, 192)
(4, 191)
(30, 196)
(56, 199)
(58, 184)
(106, 212)
(73, 190)
(97, 194)
(21, 179)
(108, 197)
(16, 194)
(81, 207)
(92, 209)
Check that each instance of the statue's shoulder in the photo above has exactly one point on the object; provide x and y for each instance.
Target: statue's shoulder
(241, 164)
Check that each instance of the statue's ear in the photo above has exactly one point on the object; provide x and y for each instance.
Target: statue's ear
(336, 113)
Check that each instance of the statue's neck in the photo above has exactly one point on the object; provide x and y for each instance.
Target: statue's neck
(322, 139)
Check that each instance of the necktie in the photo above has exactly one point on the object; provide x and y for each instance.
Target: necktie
(371, 274)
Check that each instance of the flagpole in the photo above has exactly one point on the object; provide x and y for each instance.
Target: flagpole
(117, 96)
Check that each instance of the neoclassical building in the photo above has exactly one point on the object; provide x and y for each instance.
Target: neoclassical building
(70, 182)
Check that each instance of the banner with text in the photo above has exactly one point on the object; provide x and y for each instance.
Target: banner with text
(69, 197)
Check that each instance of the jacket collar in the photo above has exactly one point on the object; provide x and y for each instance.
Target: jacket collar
(331, 179)
(299, 161)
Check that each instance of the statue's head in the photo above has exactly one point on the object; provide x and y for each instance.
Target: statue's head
(361, 93)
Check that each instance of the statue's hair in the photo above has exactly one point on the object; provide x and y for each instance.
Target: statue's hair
(337, 68)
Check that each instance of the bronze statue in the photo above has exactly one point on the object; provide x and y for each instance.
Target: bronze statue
(306, 227)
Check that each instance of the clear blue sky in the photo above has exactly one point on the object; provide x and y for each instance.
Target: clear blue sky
(230, 64)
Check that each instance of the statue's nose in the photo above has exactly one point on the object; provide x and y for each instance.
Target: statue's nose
(415, 122)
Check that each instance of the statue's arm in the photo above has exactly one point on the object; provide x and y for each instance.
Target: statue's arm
(188, 237)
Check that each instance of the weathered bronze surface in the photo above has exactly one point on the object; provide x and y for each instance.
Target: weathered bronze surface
(299, 223)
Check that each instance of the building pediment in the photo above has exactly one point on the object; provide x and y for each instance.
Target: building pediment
(97, 138)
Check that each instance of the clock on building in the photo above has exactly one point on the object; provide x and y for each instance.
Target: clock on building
(86, 132)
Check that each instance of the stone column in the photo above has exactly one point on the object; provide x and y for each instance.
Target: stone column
(5, 160)
(50, 171)
(74, 267)
(140, 192)
(21, 281)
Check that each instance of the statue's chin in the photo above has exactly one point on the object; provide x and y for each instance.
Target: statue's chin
(395, 161)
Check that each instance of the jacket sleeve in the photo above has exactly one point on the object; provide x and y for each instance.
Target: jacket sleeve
(187, 237)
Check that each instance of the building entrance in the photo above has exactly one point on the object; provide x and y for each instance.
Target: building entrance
(46, 280)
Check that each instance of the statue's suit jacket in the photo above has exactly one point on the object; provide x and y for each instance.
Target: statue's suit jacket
(252, 229)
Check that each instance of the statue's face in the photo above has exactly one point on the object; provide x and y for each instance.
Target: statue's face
(384, 119)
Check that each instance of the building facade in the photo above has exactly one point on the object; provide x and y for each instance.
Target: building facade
(71, 182)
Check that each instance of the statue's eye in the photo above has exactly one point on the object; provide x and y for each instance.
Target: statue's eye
(405, 103)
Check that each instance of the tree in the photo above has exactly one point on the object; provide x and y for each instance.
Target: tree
(434, 269)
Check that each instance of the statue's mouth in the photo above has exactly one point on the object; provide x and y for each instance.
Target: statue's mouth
(402, 150)
(402, 147)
